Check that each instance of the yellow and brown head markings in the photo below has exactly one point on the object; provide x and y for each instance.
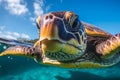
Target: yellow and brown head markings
(70, 17)
(61, 35)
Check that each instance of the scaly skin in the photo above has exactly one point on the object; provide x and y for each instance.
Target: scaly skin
(64, 41)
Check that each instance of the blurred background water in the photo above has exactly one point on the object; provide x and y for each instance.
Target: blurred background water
(22, 68)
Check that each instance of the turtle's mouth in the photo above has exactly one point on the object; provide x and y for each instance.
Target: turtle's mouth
(54, 45)
(51, 45)
(55, 49)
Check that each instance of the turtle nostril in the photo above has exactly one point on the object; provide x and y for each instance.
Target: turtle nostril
(50, 16)
(46, 17)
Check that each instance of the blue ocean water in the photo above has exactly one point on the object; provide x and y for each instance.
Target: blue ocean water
(23, 68)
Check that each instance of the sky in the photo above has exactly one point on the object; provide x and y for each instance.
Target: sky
(17, 17)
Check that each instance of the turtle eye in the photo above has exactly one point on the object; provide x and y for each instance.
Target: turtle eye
(75, 23)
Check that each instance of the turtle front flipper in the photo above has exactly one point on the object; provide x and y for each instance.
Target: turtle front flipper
(22, 51)
(110, 47)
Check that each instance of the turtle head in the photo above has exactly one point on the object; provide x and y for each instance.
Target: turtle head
(62, 36)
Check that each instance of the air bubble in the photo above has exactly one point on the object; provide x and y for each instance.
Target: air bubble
(4, 47)
(9, 57)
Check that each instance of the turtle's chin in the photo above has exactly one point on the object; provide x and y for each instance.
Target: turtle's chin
(57, 50)
(51, 46)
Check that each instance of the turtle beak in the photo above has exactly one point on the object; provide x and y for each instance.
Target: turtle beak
(49, 34)
(48, 29)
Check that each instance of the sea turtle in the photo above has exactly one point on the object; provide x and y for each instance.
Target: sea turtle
(66, 41)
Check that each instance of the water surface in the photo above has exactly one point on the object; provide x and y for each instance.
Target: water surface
(22, 68)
